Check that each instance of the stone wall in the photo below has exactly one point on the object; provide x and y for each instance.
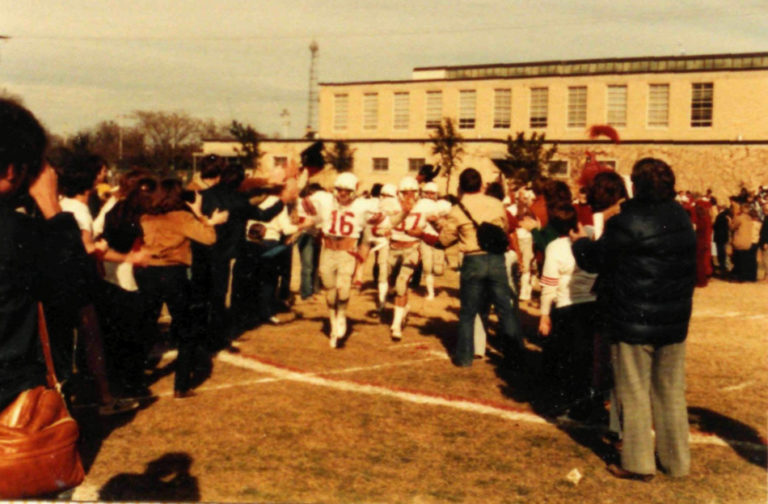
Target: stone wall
(722, 168)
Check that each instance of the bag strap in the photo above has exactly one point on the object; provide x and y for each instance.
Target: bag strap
(45, 341)
(466, 212)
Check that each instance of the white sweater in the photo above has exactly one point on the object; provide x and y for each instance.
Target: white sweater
(562, 281)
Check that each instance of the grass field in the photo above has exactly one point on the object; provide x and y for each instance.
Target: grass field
(287, 419)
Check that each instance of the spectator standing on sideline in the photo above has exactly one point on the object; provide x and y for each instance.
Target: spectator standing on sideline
(41, 258)
(482, 273)
(721, 236)
(213, 264)
(646, 259)
(763, 242)
(169, 227)
(744, 255)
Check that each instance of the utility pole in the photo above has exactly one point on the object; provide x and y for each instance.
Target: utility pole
(311, 106)
(286, 116)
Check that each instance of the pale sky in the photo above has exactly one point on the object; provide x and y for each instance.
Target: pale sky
(77, 62)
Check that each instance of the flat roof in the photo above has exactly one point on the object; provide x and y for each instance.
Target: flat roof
(581, 67)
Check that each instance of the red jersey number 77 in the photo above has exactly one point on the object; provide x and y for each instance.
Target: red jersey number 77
(416, 217)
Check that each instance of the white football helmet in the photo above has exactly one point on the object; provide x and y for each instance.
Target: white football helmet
(389, 190)
(408, 184)
(429, 187)
(346, 181)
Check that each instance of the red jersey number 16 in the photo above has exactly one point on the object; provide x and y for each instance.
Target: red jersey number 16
(345, 222)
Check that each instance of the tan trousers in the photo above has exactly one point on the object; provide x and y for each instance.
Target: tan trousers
(650, 384)
(432, 259)
(336, 268)
(407, 259)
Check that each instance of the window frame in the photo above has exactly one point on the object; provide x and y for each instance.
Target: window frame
(384, 160)
(540, 121)
(705, 103)
(399, 114)
(649, 112)
(419, 162)
(500, 111)
(338, 111)
(608, 108)
(576, 118)
(429, 120)
(371, 111)
(467, 109)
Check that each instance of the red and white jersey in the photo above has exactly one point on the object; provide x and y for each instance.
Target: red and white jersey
(343, 221)
(416, 219)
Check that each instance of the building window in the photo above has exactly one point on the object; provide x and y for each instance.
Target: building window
(280, 161)
(467, 106)
(577, 106)
(370, 111)
(610, 163)
(380, 164)
(558, 169)
(434, 109)
(340, 111)
(415, 164)
(401, 109)
(658, 105)
(502, 108)
(539, 107)
(701, 105)
(617, 105)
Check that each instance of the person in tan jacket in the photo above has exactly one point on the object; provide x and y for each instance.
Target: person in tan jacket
(744, 254)
(169, 225)
(482, 273)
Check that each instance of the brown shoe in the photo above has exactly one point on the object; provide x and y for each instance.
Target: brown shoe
(183, 394)
(622, 473)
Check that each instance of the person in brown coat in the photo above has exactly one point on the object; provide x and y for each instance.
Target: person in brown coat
(169, 227)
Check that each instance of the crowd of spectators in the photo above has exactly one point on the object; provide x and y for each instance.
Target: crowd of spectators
(615, 264)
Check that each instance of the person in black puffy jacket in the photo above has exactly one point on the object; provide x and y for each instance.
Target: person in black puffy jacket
(646, 261)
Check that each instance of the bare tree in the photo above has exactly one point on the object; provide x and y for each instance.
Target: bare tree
(448, 146)
(170, 138)
(249, 139)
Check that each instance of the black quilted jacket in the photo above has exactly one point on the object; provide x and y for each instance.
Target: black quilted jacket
(646, 261)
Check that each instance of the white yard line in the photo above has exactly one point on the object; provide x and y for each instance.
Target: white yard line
(426, 399)
(377, 390)
(734, 388)
(727, 314)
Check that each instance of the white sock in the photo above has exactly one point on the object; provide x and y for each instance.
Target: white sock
(334, 322)
(525, 286)
(383, 288)
(341, 322)
(397, 319)
(430, 281)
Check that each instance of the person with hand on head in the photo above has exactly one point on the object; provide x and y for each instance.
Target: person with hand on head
(646, 261)
(42, 257)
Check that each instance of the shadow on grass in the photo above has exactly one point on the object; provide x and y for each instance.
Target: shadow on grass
(165, 479)
(744, 440)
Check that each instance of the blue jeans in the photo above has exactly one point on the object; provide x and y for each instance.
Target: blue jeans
(484, 275)
(309, 256)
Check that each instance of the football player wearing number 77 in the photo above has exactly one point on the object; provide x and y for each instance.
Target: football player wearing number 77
(404, 249)
(341, 218)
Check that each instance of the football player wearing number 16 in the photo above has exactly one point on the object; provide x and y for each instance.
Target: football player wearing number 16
(341, 217)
